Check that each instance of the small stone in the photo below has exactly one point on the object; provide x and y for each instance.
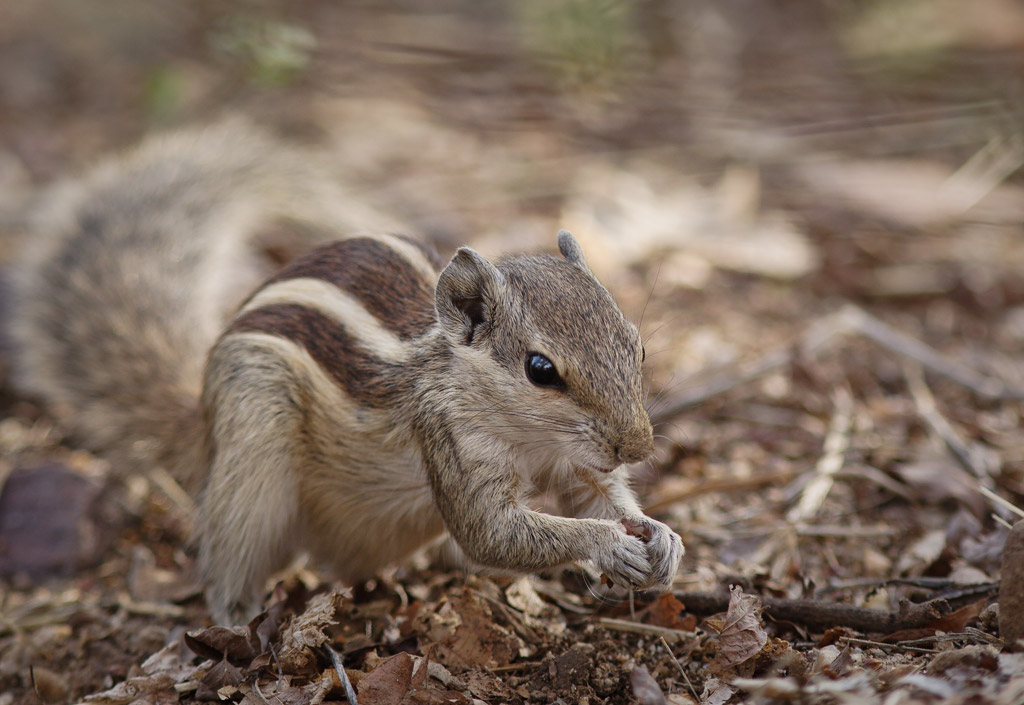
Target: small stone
(54, 521)
(1011, 590)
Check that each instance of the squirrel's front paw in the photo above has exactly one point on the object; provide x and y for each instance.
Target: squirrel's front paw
(623, 557)
(664, 549)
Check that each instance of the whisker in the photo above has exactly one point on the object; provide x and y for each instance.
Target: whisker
(663, 324)
(650, 294)
(660, 393)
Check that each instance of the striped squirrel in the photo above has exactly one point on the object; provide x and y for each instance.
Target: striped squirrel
(363, 401)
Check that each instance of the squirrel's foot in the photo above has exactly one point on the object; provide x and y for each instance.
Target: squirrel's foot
(664, 549)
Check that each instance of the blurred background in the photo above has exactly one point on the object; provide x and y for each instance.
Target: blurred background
(864, 149)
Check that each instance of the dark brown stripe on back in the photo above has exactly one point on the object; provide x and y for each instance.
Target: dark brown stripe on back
(378, 277)
(368, 380)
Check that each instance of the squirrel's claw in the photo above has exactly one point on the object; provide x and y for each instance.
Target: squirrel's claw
(664, 549)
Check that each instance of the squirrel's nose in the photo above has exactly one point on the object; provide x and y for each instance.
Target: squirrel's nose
(636, 449)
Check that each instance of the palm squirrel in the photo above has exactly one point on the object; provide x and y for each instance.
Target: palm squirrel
(361, 402)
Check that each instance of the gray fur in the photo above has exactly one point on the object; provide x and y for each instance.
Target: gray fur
(285, 449)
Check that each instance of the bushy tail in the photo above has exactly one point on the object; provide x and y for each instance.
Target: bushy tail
(130, 272)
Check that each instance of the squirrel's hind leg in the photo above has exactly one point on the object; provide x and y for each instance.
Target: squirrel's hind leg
(249, 508)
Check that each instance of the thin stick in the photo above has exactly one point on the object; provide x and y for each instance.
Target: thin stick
(820, 614)
(1002, 502)
(350, 692)
(940, 425)
(682, 671)
(887, 646)
(860, 321)
(836, 442)
(624, 625)
(1002, 522)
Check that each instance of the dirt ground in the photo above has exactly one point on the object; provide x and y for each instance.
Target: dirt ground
(813, 210)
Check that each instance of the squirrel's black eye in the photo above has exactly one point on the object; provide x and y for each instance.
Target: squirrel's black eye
(541, 371)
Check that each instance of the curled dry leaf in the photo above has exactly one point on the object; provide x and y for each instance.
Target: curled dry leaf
(216, 643)
(740, 634)
(308, 631)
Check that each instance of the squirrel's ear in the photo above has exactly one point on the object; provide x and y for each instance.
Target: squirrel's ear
(465, 293)
(571, 249)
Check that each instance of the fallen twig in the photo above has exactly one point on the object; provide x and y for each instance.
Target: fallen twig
(887, 646)
(972, 461)
(682, 671)
(818, 614)
(1010, 506)
(335, 658)
(830, 462)
(625, 625)
(973, 458)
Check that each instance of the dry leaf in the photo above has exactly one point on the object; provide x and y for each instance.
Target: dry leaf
(467, 635)
(389, 682)
(956, 621)
(308, 631)
(922, 553)
(667, 611)
(401, 680)
(218, 643)
(716, 692)
(222, 675)
(131, 690)
(49, 685)
(645, 688)
(741, 635)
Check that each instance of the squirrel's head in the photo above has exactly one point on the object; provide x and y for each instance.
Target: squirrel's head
(556, 364)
